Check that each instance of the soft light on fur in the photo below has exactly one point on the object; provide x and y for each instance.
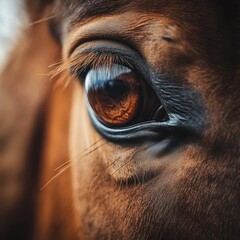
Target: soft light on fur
(61, 179)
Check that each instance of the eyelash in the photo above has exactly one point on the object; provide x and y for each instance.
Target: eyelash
(78, 66)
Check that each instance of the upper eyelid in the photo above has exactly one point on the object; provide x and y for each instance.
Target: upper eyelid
(90, 55)
(84, 55)
(93, 44)
(103, 37)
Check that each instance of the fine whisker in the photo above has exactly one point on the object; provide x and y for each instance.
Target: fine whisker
(94, 144)
(125, 164)
(102, 170)
(57, 63)
(44, 19)
(67, 165)
(54, 177)
(84, 151)
(109, 165)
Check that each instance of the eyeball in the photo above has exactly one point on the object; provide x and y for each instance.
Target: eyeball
(118, 96)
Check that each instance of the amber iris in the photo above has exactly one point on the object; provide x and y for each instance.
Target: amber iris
(114, 93)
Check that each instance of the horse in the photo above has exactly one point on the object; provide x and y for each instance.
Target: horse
(120, 120)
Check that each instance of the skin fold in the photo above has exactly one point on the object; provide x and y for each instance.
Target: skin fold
(67, 175)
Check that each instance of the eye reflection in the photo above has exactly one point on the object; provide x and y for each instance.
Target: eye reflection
(119, 97)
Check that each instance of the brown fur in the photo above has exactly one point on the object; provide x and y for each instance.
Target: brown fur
(101, 189)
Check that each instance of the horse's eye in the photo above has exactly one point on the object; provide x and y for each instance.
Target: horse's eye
(119, 97)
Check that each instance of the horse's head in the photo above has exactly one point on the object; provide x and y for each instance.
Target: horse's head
(145, 134)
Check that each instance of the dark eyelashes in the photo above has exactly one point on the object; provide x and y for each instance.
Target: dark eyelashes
(104, 53)
(81, 64)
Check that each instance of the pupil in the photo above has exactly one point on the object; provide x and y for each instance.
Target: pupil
(116, 88)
